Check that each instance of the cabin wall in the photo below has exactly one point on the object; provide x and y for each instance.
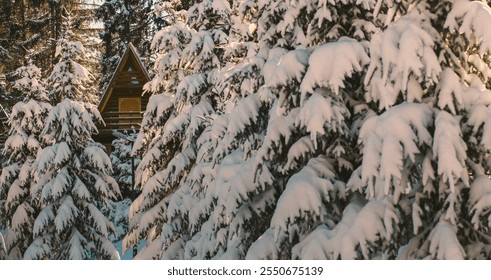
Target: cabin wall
(112, 104)
(116, 120)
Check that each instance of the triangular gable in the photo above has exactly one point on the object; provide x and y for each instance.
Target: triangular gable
(130, 59)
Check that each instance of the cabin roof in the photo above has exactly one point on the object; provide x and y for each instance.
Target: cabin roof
(130, 51)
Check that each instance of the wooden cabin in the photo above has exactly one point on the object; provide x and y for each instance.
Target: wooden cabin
(123, 102)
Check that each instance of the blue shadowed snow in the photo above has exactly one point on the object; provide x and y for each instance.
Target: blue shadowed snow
(129, 253)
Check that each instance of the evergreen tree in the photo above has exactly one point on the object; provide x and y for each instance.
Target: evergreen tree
(3, 250)
(125, 21)
(124, 172)
(86, 27)
(14, 32)
(27, 27)
(318, 130)
(188, 63)
(124, 164)
(21, 148)
(69, 78)
(72, 173)
(32, 28)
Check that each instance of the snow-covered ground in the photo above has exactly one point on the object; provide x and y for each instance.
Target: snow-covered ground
(128, 255)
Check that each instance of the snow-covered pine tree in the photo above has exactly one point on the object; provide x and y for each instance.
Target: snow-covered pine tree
(124, 163)
(3, 250)
(20, 149)
(72, 173)
(413, 174)
(223, 204)
(86, 28)
(69, 78)
(176, 118)
(124, 172)
(350, 129)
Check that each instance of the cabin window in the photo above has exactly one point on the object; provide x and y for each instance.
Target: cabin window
(129, 112)
(134, 80)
